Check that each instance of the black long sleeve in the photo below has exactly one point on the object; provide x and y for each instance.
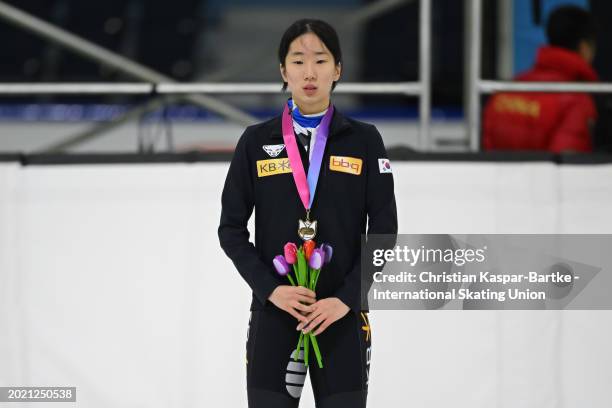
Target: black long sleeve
(237, 203)
(382, 219)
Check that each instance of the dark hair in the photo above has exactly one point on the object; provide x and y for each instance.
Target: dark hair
(321, 29)
(569, 25)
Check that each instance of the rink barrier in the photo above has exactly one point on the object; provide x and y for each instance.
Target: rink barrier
(396, 154)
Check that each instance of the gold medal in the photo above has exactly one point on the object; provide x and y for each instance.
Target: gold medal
(307, 229)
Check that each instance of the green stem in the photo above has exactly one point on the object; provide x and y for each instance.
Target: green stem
(302, 268)
(295, 271)
(291, 280)
(311, 280)
(316, 279)
(306, 347)
(315, 346)
(297, 351)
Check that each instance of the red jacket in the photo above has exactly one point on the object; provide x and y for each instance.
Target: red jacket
(543, 121)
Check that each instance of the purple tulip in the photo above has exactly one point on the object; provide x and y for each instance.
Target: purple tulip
(316, 259)
(281, 265)
(328, 251)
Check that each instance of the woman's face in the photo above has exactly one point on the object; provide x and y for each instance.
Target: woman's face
(310, 71)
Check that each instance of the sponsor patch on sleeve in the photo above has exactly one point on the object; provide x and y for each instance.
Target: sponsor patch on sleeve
(346, 164)
(384, 166)
(272, 167)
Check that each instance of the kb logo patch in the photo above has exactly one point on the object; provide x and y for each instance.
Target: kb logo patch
(345, 164)
(271, 167)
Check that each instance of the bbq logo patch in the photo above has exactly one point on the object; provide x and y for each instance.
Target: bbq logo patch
(272, 167)
(346, 164)
(384, 166)
(273, 150)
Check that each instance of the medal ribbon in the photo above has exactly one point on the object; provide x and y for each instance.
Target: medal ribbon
(306, 187)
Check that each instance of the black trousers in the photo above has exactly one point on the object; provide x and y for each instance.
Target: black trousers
(275, 380)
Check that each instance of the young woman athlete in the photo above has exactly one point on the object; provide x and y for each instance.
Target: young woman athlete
(350, 185)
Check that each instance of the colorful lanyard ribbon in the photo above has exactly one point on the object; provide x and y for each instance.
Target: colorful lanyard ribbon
(306, 189)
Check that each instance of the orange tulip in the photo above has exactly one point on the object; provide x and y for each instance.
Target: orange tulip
(309, 246)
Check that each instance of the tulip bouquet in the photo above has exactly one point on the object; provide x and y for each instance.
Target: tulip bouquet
(307, 262)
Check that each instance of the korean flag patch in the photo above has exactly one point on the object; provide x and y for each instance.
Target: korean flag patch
(384, 166)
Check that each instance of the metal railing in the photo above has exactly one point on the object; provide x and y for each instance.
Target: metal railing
(108, 58)
(35, 88)
(156, 83)
(485, 86)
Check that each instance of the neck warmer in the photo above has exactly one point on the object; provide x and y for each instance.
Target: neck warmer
(305, 121)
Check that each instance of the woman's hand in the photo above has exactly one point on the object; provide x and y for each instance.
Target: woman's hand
(295, 300)
(325, 312)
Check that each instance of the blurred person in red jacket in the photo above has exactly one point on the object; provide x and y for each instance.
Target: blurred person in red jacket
(554, 122)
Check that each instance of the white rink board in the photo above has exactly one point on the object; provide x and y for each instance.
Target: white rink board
(112, 280)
